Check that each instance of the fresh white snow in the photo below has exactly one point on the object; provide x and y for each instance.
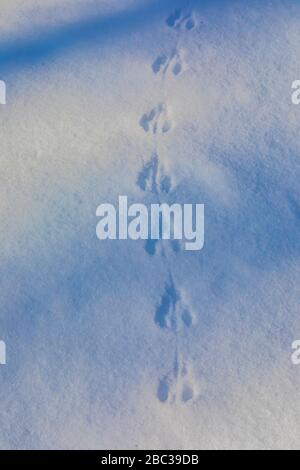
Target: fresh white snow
(122, 344)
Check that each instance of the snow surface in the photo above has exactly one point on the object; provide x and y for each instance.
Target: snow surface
(130, 345)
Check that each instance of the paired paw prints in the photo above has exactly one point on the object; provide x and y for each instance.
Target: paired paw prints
(152, 177)
(157, 121)
(180, 385)
(179, 20)
(173, 311)
(175, 63)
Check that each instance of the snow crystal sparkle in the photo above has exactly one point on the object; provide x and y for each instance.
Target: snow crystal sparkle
(178, 222)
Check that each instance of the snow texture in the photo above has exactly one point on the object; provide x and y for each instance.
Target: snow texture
(122, 344)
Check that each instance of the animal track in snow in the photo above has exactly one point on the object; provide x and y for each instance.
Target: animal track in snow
(165, 184)
(151, 247)
(153, 179)
(187, 317)
(176, 246)
(173, 19)
(163, 389)
(173, 310)
(190, 23)
(159, 63)
(188, 389)
(157, 120)
(147, 177)
(179, 19)
(165, 314)
(175, 63)
(179, 385)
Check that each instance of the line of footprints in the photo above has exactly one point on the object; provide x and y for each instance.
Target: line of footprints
(153, 179)
(158, 120)
(173, 311)
(175, 61)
